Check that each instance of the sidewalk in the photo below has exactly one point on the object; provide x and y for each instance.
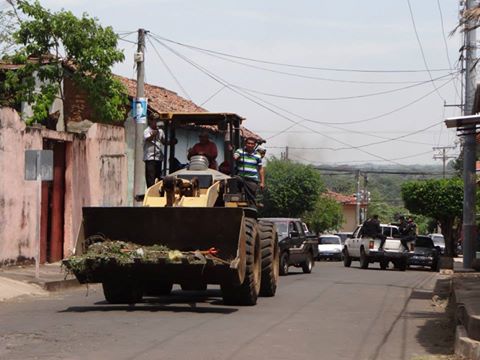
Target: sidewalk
(466, 293)
(20, 280)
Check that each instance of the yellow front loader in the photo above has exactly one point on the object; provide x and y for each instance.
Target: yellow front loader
(195, 210)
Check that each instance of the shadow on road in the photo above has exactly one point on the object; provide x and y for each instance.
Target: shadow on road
(202, 302)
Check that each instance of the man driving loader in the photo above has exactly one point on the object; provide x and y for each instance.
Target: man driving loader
(249, 168)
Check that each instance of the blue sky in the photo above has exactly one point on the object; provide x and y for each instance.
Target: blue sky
(348, 34)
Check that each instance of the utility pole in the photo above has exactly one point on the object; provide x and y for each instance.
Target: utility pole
(140, 125)
(357, 202)
(443, 155)
(469, 145)
(366, 196)
(286, 152)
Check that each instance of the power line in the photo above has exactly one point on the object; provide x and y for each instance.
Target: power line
(376, 117)
(294, 65)
(445, 39)
(347, 146)
(226, 84)
(306, 76)
(168, 69)
(325, 123)
(421, 49)
(384, 92)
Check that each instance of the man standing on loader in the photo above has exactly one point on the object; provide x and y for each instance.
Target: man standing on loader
(249, 168)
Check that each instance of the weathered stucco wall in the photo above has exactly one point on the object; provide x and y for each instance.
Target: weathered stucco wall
(18, 198)
(349, 215)
(95, 175)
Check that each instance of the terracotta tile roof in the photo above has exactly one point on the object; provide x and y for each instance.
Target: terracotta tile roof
(161, 100)
(342, 198)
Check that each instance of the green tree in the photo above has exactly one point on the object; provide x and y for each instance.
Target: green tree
(326, 215)
(50, 40)
(441, 200)
(291, 188)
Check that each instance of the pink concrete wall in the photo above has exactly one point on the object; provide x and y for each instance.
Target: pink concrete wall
(18, 198)
(95, 175)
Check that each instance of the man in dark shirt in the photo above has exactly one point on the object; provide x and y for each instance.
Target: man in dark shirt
(371, 228)
(408, 231)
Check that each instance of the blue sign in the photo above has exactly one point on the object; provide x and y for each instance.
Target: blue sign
(139, 110)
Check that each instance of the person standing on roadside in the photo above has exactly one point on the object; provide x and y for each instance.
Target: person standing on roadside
(249, 168)
(153, 139)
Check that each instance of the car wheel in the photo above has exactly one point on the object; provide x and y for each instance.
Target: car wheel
(307, 265)
(383, 264)
(402, 266)
(347, 260)
(363, 259)
(284, 264)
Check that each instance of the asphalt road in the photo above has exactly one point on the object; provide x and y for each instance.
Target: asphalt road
(333, 313)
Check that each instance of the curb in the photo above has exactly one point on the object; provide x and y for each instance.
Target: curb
(467, 332)
(464, 346)
(56, 285)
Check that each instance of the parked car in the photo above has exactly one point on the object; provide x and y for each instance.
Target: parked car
(296, 248)
(344, 235)
(425, 253)
(438, 240)
(330, 247)
(366, 250)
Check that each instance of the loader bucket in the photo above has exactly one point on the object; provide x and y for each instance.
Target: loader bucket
(178, 228)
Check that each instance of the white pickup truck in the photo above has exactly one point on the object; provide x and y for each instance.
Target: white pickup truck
(365, 249)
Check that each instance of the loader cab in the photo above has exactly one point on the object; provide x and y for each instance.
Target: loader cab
(228, 126)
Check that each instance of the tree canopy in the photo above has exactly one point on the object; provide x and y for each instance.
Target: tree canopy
(49, 40)
(326, 215)
(441, 200)
(291, 189)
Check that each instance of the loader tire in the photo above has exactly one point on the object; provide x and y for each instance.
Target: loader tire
(270, 258)
(247, 292)
(121, 291)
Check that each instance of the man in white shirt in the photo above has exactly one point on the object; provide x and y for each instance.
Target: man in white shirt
(153, 140)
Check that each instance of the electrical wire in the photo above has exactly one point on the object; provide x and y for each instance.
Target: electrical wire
(302, 119)
(213, 95)
(421, 49)
(168, 69)
(306, 76)
(447, 54)
(347, 146)
(242, 94)
(376, 160)
(372, 118)
(294, 65)
(361, 120)
(341, 97)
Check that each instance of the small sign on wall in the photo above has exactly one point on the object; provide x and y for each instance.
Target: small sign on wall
(39, 165)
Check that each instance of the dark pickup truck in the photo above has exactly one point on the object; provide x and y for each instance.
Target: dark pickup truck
(296, 247)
